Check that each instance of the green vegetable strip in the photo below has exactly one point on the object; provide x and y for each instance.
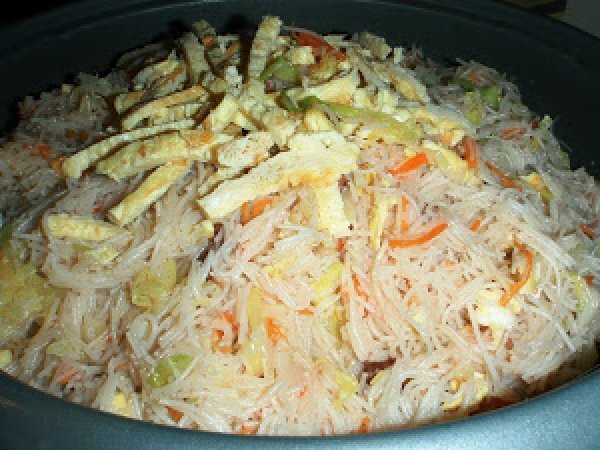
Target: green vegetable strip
(6, 235)
(467, 85)
(168, 369)
(289, 104)
(491, 95)
(281, 69)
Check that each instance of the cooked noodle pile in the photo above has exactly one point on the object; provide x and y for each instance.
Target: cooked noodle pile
(293, 234)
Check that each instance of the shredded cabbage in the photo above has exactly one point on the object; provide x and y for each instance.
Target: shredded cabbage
(169, 369)
(152, 286)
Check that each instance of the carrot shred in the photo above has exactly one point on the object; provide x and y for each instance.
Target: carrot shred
(513, 133)
(504, 180)
(273, 330)
(63, 380)
(515, 288)
(227, 349)
(218, 280)
(246, 214)
(471, 152)
(175, 414)
(589, 231)
(419, 240)
(226, 315)
(219, 333)
(249, 429)
(43, 151)
(318, 44)
(97, 207)
(404, 223)
(339, 245)
(306, 312)
(251, 210)
(475, 225)
(64, 373)
(473, 77)
(364, 425)
(260, 206)
(410, 164)
(358, 289)
(208, 41)
(304, 391)
(589, 279)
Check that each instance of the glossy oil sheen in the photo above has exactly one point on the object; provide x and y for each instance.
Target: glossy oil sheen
(556, 67)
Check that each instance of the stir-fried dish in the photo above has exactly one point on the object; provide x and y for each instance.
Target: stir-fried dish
(293, 234)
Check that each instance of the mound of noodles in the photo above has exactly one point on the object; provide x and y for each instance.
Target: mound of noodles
(327, 235)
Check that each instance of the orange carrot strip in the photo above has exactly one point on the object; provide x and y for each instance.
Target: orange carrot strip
(513, 133)
(590, 232)
(404, 223)
(260, 206)
(504, 180)
(227, 349)
(515, 288)
(306, 312)
(226, 315)
(175, 414)
(473, 77)
(410, 164)
(318, 44)
(249, 429)
(219, 333)
(475, 225)
(218, 280)
(65, 379)
(208, 41)
(273, 330)
(246, 214)
(419, 240)
(339, 245)
(471, 152)
(304, 391)
(64, 373)
(43, 151)
(364, 425)
(358, 289)
(251, 210)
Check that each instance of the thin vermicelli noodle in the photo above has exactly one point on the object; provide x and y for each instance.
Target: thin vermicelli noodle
(334, 236)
